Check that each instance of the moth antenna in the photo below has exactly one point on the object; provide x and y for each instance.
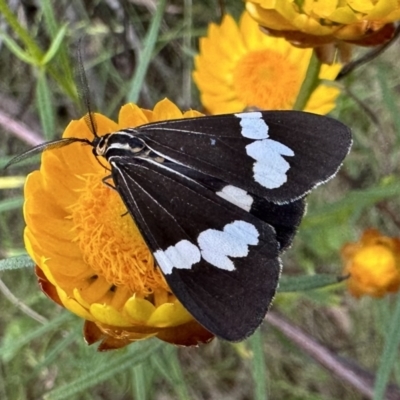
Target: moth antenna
(54, 144)
(84, 94)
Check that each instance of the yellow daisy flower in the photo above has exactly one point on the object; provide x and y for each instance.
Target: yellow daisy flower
(373, 265)
(240, 67)
(314, 22)
(90, 256)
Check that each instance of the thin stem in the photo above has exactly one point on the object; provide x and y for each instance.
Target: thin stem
(22, 306)
(311, 81)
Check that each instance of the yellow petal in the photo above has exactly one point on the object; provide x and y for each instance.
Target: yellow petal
(72, 305)
(165, 110)
(139, 310)
(95, 290)
(192, 114)
(267, 75)
(274, 18)
(108, 315)
(131, 116)
(169, 314)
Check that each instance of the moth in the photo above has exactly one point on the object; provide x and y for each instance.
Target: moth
(218, 199)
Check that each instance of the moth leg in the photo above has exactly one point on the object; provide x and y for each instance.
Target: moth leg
(110, 185)
(104, 180)
(104, 166)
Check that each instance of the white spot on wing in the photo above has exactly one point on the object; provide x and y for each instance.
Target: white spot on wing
(236, 196)
(217, 246)
(270, 167)
(183, 255)
(253, 125)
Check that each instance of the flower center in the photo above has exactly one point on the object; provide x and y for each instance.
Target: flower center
(267, 80)
(110, 242)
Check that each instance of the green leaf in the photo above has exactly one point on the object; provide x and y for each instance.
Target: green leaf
(23, 34)
(389, 96)
(55, 45)
(351, 206)
(150, 41)
(49, 16)
(110, 365)
(56, 352)
(45, 105)
(307, 282)
(10, 349)
(16, 263)
(11, 204)
(389, 354)
(258, 368)
(169, 366)
(139, 382)
(17, 50)
(62, 70)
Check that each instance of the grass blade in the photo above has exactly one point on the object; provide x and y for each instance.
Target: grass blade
(139, 384)
(146, 54)
(45, 105)
(169, 366)
(304, 283)
(112, 364)
(258, 368)
(389, 354)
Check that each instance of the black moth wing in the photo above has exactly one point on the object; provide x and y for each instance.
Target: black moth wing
(311, 148)
(169, 208)
(284, 218)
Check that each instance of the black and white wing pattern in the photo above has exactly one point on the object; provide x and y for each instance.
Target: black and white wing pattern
(220, 261)
(217, 199)
(277, 155)
(285, 218)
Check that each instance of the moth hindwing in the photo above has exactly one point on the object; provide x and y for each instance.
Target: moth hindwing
(217, 199)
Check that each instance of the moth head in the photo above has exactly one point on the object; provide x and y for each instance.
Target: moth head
(100, 145)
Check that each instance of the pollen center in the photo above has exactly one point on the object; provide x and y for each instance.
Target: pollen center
(110, 241)
(265, 79)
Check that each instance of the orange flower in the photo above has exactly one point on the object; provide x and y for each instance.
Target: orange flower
(312, 23)
(90, 256)
(373, 264)
(239, 67)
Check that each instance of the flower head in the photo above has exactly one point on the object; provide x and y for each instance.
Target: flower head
(240, 67)
(373, 264)
(312, 23)
(90, 256)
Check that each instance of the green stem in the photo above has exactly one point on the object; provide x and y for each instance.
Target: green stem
(20, 31)
(146, 54)
(258, 368)
(389, 354)
(311, 81)
(34, 50)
